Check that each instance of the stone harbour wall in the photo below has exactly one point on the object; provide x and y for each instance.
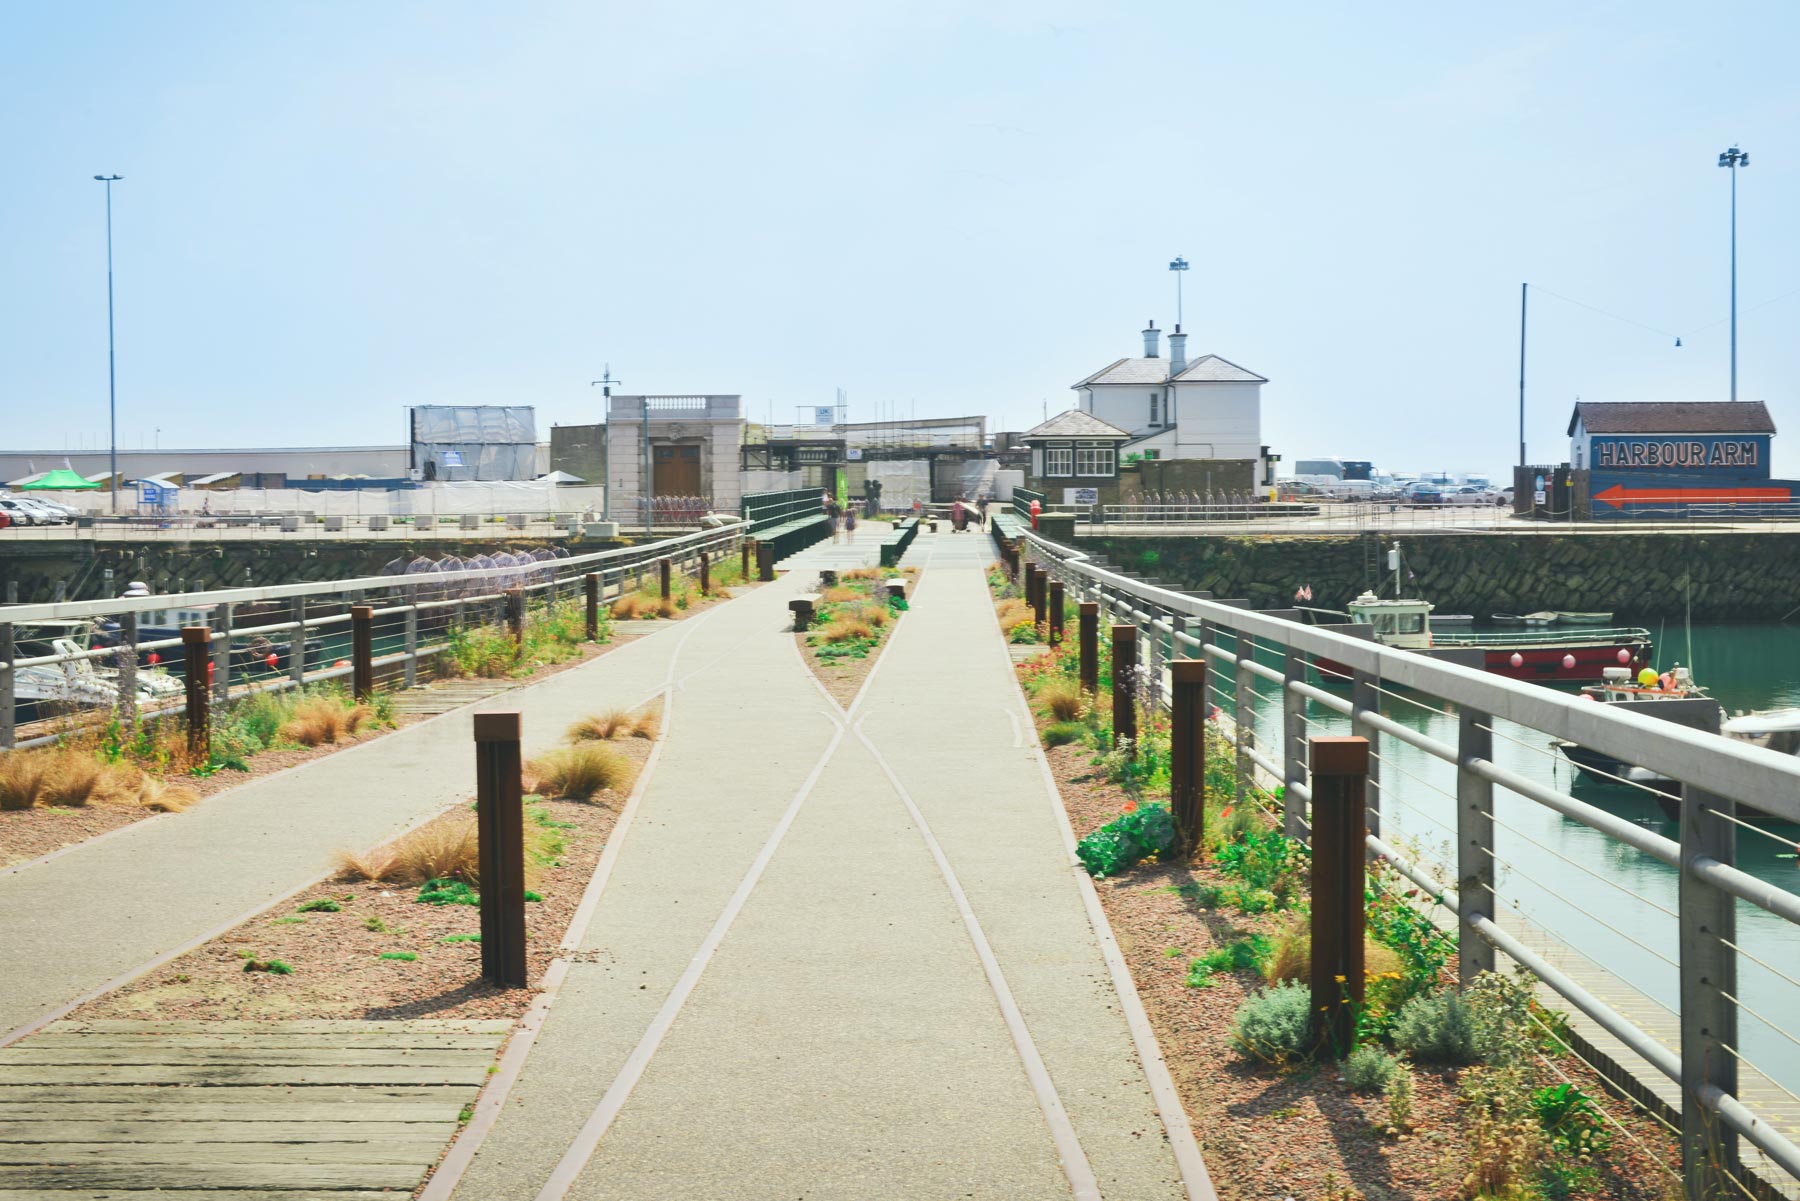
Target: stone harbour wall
(1751, 576)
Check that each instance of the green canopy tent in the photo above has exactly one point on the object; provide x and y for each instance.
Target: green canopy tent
(62, 480)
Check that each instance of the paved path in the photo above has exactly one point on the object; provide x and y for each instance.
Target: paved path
(839, 955)
(154, 888)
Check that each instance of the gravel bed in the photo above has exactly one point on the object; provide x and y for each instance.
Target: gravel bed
(337, 957)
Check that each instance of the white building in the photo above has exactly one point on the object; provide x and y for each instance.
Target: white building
(1207, 408)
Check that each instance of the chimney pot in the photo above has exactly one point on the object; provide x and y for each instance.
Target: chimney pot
(1177, 353)
(1151, 339)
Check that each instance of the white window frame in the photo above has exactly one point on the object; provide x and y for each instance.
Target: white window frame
(1059, 461)
(1155, 408)
(1085, 461)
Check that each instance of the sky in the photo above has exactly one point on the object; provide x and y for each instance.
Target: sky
(332, 211)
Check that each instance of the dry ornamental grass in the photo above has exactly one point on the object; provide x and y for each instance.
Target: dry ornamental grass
(322, 719)
(441, 850)
(578, 772)
(614, 723)
(71, 779)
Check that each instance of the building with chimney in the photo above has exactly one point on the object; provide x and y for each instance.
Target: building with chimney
(1204, 414)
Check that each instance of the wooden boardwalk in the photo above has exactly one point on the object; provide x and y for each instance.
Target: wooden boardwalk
(269, 1110)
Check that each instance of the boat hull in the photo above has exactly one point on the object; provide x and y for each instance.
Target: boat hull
(1540, 663)
(1548, 664)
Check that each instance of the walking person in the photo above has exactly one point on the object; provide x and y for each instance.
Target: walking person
(850, 525)
(835, 511)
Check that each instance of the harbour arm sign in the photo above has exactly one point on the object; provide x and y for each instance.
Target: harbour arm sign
(1741, 456)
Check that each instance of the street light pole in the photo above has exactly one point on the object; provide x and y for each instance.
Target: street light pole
(605, 384)
(1733, 159)
(1524, 289)
(1178, 265)
(112, 385)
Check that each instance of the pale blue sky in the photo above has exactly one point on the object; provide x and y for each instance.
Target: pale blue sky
(332, 211)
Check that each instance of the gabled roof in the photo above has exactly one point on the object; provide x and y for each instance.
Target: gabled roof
(1075, 424)
(1210, 368)
(1129, 371)
(1673, 417)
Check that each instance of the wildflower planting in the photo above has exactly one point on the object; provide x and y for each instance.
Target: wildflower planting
(1469, 1094)
(850, 621)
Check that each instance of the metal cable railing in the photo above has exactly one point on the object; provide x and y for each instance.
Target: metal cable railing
(53, 678)
(1720, 782)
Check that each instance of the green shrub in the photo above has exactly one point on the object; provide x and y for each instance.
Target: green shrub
(1571, 1119)
(403, 956)
(447, 892)
(1062, 733)
(1399, 1095)
(1437, 1028)
(320, 905)
(1275, 1024)
(1369, 1068)
(1116, 846)
(1243, 955)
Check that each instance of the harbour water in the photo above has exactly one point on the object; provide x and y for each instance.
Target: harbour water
(1614, 905)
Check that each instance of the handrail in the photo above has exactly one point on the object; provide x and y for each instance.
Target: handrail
(1718, 776)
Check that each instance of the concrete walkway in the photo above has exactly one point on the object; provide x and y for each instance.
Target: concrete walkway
(108, 907)
(841, 955)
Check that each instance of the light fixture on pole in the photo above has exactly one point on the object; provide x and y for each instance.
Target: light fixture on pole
(1733, 159)
(1178, 265)
(112, 389)
(605, 384)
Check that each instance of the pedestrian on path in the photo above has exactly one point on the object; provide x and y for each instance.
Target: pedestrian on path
(834, 511)
(850, 525)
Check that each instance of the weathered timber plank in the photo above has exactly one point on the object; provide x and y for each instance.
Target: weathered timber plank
(131, 1194)
(37, 1093)
(227, 1075)
(282, 1128)
(423, 1039)
(153, 1052)
(171, 1117)
(441, 1025)
(33, 1181)
(416, 1152)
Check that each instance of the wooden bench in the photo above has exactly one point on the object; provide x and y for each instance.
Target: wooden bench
(803, 607)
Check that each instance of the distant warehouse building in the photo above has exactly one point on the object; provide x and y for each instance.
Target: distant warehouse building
(1653, 459)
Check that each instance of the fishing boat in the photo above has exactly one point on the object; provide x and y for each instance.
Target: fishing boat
(48, 689)
(1651, 695)
(1559, 656)
(1549, 655)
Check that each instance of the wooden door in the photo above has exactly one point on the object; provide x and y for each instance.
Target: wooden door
(677, 470)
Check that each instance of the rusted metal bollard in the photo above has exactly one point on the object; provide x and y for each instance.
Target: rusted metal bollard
(746, 548)
(1088, 636)
(765, 562)
(1037, 597)
(1056, 612)
(591, 586)
(1187, 752)
(196, 647)
(362, 651)
(1124, 679)
(664, 570)
(1340, 769)
(500, 833)
(705, 574)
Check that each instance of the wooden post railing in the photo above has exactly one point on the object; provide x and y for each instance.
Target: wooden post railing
(362, 651)
(1340, 769)
(500, 834)
(1187, 752)
(1087, 634)
(196, 647)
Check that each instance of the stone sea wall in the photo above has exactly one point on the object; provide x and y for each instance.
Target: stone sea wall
(1753, 576)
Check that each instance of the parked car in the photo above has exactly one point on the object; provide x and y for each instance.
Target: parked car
(19, 513)
(46, 512)
(1471, 494)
